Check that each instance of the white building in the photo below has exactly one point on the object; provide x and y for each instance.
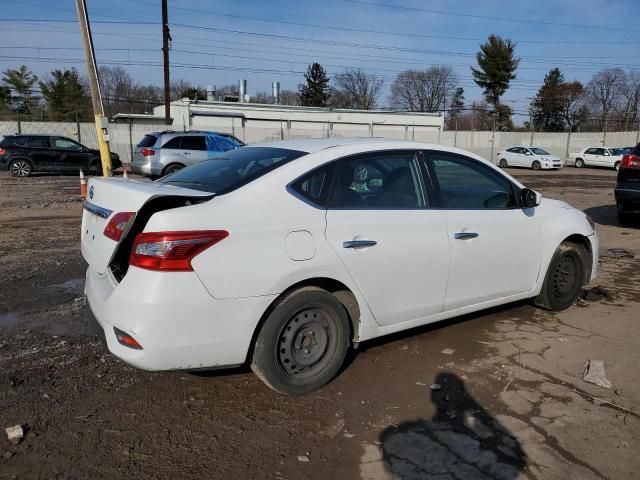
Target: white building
(254, 122)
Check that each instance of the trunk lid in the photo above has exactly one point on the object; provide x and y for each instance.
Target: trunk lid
(108, 196)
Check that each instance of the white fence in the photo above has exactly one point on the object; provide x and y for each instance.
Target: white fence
(125, 136)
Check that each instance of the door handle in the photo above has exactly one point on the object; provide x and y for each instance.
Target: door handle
(465, 235)
(359, 243)
(186, 153)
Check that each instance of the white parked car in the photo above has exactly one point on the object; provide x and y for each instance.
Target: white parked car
(596, 157)
(529, 157)
(285, 255)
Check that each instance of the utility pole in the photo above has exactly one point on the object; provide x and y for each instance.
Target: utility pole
(101, 121)
(166, 38)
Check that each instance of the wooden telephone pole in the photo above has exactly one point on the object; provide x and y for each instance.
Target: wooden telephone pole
(166, 38)
(102, 123)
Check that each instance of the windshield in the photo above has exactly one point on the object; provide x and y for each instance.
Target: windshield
(539, 151)
(230, 170)
(617, 151)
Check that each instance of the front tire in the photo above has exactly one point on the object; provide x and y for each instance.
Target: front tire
(536, 165)
(302, 343)
(579, 163)
(503, 163)
(565, 278)
(616, 166)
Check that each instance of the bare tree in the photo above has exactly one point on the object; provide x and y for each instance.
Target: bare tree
(423, 90)
(631, 94)
(262, 97)
(289, 97)
(571, 100)
(121, 94)
(360, 89)
(605, 92)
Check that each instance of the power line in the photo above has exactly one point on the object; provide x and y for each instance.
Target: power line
(482, 17)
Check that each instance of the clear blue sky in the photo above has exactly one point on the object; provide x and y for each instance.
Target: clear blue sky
(219, 42)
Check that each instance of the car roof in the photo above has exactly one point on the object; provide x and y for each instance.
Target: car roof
(188, 132)
(311, 145)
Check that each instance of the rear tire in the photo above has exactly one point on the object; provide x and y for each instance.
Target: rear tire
(503, 163)
(536, 165)
(616, 166)
(565, 278)
(169, 169)
(20, 168)
(303, 342)
(579, 163)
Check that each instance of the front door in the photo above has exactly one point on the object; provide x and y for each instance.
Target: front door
(495, 245)
(381, 226)
(70, 154)
(194, 149)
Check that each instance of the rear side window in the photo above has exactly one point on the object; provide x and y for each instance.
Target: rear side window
(38, 142)
(174, 143)
(230, 170)
(462, 183)
(193, 142)
(315, 187)
(148, 141)
(379, 181)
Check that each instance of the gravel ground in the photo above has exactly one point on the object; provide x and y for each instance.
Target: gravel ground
(511, 403)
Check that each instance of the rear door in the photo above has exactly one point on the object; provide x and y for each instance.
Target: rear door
(193, 149)
(381, 226)
(495, 244)
(39, 151)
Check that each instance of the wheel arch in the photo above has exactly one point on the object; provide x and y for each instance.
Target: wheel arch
(338, 289)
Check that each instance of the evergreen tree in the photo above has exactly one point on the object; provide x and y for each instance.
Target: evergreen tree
(548, 103)
(20, 82)
(456, 107)
(497, 65)
(315, 92)
(65, 96)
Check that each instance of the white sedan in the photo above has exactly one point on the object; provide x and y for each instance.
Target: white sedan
(530, 157)
(597, 157)
(285, 255)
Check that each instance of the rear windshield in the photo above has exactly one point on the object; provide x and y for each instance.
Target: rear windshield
(539, 151)
(148, 141)
(230, 170)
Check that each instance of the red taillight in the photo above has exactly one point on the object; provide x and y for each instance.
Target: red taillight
(126, 339)
(2, 151)
(147, 152)
(172, 251)
(116, 225)
(630, 161)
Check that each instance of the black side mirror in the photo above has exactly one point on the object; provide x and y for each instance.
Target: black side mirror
(529, 198)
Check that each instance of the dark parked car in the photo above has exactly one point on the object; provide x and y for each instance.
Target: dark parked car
(627, 191)
(25, 154)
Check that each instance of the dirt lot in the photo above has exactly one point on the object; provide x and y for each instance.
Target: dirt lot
(512, 404)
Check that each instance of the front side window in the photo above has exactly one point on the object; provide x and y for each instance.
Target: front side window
(540, 151)
(66, 144)
(382, 180)
(193, 142)
(230, 170)
(462, 183)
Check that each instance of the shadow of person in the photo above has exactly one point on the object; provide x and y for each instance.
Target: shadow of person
(461, 442)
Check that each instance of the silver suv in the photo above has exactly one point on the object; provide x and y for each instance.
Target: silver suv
(162, 153)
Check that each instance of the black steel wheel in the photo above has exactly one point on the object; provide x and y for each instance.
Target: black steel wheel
(565, 278)
(302, 343)
(503, 163)
(20, 168)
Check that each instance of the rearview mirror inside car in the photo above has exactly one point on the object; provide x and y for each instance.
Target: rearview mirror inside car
(530, 198)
